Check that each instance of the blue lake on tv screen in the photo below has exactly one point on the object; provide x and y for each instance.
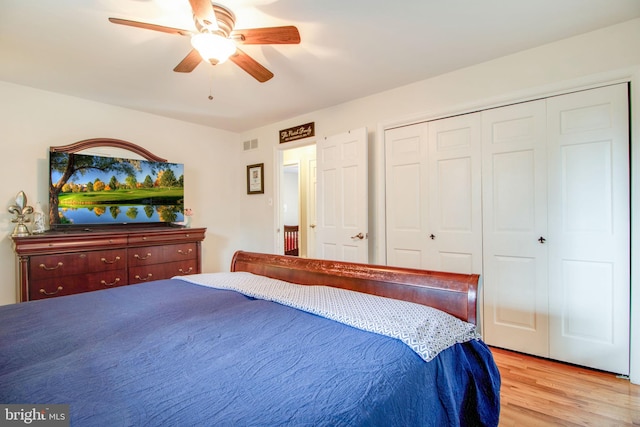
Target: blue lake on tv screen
(112, 214)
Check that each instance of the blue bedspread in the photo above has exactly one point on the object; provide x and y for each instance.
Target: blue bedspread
(174, 353)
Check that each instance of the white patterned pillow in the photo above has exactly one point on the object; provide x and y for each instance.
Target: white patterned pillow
(425, 329)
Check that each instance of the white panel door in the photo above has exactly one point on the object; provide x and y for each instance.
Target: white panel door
(433, 195)
(342, 197)
(515, 218)
(407, 195)
(454, 239)
(589, 220)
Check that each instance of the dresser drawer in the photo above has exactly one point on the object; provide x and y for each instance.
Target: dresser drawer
(50, 266)
(175, 236)
(181, 268)
(115, 259)
(68, 285)
(146, 255)
(86, 241)
(162, 271)
(181, 252)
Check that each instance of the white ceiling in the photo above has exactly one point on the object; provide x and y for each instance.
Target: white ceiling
(349, 49)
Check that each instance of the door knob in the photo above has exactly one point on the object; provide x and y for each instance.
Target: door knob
(358, 236)
(312, 225)
(432, 237)
(542, 239)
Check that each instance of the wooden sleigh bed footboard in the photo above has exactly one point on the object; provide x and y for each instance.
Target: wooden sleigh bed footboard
(453, 293)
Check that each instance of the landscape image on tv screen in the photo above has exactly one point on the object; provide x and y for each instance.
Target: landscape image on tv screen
(99, 190)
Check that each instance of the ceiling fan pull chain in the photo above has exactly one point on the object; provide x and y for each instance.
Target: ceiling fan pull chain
(210, 87)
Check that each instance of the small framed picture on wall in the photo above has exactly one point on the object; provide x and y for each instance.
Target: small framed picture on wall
(255, 179)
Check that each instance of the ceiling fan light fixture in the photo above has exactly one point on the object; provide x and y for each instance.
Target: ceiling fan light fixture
(213, 47)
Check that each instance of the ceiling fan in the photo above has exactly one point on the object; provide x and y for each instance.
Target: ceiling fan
(215, 39)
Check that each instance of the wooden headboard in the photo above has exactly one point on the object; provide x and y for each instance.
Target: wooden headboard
(450, 292)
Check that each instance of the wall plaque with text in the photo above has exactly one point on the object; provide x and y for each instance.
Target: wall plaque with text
(297, 132)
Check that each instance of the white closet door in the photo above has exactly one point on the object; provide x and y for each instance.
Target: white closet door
(407, 195)
(433, 200)
(589, 232)
(454, 240)
(552, 236)
(515, 217)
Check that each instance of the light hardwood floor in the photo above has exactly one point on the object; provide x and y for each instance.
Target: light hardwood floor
(540, 392)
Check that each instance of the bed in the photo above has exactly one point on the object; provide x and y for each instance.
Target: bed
(258, 346)
(291, 240)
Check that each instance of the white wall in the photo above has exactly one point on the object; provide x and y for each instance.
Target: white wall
(32, 120)
(290, 199)
(603, 56)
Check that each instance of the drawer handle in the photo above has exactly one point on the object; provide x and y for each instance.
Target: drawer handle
(143, 257)
(110, 262)
(144, 278)
(185, 272)
(44, 267)
(110, 284)
(42, 291)
(180, 251)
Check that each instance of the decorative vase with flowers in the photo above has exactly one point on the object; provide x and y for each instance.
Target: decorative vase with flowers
(188, 213)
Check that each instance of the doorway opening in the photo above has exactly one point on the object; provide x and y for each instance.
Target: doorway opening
(296, 200)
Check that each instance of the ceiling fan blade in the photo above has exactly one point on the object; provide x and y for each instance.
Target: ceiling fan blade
(153, 27)
(189, 63)
(203, 11)
(251, 66)
(270, 35)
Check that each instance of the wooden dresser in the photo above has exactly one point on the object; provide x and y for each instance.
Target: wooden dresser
(59, 263)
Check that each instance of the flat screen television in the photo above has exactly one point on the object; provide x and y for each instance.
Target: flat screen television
(93, 190)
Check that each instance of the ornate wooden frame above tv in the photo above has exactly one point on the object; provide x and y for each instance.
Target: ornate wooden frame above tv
(162, 202)
(106, 142)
